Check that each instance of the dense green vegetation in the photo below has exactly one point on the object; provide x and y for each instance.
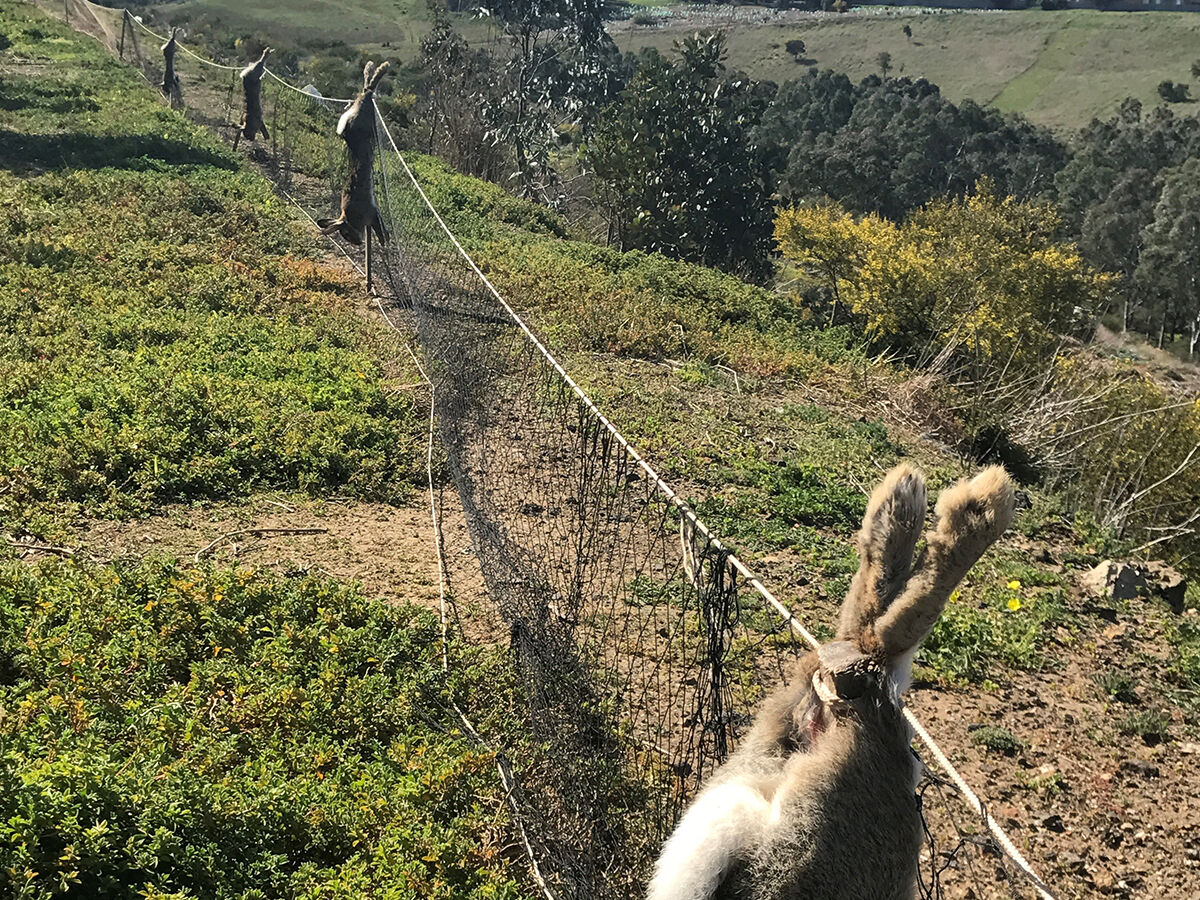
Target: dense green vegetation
(1130, 192)
(680, 171)
(171, 732)
(889, 146)
(163, 335)
(167, 335)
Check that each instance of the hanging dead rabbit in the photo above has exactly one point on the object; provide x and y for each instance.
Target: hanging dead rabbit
(252, 114)
(818, 803)
(357, 128)
(170, 84)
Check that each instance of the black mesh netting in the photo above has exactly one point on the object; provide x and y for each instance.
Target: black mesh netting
(641, 648)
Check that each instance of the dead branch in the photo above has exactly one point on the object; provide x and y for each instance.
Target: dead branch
(41, 548)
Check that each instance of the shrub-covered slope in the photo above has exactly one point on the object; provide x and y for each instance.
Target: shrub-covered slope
(184, 733)
(165, 333)
(168, 335)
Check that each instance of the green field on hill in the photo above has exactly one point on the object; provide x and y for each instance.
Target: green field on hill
(1060, 69)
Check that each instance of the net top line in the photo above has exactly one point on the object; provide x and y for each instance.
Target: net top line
(972, 799)
(216, 65)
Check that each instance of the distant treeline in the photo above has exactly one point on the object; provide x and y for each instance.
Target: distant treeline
(677, 153)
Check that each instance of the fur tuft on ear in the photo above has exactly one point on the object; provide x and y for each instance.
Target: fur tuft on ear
(372, 75)
(890, 530)
(968, 519)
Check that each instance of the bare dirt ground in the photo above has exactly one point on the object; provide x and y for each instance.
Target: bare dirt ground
(388, 550)
(1097, 812)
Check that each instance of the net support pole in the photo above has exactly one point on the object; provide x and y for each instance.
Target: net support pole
(367, 261)
(124, 27)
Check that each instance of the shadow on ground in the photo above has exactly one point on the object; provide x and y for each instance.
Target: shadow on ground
(43, 152)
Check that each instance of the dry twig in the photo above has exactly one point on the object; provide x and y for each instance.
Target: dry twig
(256, 532)
(41, 548)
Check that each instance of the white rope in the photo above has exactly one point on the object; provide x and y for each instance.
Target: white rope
(304, 93)
(978, 808)
(136, 20)
(971, 798)
(216, 65)
(969, 795)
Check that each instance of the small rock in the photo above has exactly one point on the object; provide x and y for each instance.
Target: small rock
(1103, 879)
(1128, 580)
(1072, 862)
(1139, 768)
(1168, 584)
(1054, 823)
(1112, 632)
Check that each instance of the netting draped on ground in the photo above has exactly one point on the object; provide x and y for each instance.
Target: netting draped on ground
(642, 644)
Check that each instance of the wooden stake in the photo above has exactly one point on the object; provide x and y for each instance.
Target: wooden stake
(367, 260)
(124, 25)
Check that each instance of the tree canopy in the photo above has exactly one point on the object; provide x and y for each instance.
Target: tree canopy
(679, 165)
(889, 146)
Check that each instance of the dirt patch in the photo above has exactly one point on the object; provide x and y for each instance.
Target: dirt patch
(388, 550)
(1098, 812)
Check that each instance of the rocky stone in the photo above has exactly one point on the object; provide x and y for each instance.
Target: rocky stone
(1129, 580)
(1139, 768)
(1054, 823)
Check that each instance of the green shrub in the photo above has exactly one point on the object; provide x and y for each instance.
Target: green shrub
(997, 740)
(1150, 725)
(231, 734)
(1120, 686)
(995, 628)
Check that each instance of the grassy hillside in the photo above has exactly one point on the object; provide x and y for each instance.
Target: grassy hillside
(201, 345)
(166, 333)
(169, 337)
(391, 27)
(1059, 68)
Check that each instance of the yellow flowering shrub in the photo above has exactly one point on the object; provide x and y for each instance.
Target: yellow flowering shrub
(982, 277)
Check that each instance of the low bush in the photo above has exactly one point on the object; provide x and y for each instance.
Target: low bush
(185, 733)
(997, 740)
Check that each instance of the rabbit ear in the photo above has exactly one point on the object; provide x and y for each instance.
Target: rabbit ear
(373, 74)
(969, 517)
(893, 522)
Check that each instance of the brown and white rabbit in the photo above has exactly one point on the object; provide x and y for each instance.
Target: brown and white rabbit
(252, 115)
(818, 802)
(357, 128)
